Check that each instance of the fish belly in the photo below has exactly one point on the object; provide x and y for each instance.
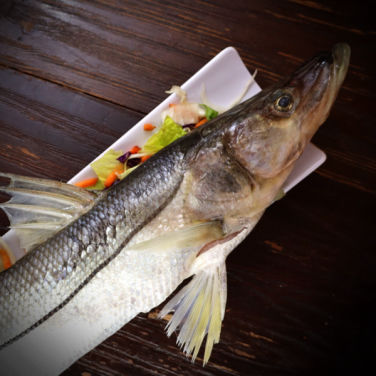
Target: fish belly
(135, 281)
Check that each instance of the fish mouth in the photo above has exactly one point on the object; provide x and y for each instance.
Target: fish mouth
(316, 85)
(338, 64)
(326, 70)
(334, 66)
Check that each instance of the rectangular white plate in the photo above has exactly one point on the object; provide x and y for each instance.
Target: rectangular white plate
(224, 77)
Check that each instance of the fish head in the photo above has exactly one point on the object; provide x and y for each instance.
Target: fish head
(274, 127)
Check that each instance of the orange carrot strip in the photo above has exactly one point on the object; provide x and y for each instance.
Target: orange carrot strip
(145, 158)
(148, 127)
(4, 257)
(203, 121)
(171, 105)
(135, 150)
(86, 182)
(111, 178)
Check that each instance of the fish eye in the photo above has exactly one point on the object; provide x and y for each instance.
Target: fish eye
(283, 103)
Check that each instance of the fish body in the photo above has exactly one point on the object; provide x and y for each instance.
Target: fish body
(177, 215)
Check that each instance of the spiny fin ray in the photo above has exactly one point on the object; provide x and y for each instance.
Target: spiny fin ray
(38, 208)
(46, 185)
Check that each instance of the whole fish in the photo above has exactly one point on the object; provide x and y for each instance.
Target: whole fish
(95, 262)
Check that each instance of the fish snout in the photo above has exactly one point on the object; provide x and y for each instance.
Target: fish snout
(316, 84)
(338, 64)
(341, 55)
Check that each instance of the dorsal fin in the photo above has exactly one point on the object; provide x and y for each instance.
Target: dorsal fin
(47, 185)
(38, 208)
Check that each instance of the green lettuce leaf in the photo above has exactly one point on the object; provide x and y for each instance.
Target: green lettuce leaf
(169, 132)
(104, 166)
(209, 112)
(127, 172)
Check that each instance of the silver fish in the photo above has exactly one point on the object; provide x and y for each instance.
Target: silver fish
(95, 262)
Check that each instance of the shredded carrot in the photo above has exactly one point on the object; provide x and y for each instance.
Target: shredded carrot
(171, 105)
(145, 158)
(148, 127)
(4, 257)
(111, 178)
(135, 150)
(86, 182)
(202, 121)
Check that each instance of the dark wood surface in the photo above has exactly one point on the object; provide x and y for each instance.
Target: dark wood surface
(76, 75)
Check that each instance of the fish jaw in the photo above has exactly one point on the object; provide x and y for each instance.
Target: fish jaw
(317, 84)
(279, 122)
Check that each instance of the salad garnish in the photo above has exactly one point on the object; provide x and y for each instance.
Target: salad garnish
(149, 127)
(135, 149)
(86, 182)
(177, 120)
(167, 133)
(104, 167)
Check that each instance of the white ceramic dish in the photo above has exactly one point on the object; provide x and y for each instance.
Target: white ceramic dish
(224, 77)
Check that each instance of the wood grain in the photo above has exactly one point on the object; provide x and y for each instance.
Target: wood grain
(72, 127)
(75, 75)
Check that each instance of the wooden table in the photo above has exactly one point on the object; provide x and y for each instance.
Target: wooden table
(76, 75)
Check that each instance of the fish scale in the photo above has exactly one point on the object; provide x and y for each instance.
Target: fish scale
(127, 286)
(75, 261)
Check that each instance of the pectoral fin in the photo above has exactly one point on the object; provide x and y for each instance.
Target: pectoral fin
(38, 208)
(193, 236)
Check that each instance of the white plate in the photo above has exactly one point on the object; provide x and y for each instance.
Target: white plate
(224, 77)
